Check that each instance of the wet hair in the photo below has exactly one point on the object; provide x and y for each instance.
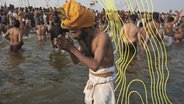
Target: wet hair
(16, 23)
(155, 15)
(56, 19)
(140, 24)
(133, 17)
(85, 41)
(170, 19)
(161, 20)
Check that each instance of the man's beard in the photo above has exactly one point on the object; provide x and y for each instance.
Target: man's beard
(85, 42)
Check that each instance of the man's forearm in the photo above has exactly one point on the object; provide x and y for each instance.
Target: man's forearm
(6, 36)
(73, 58)
(87, 61)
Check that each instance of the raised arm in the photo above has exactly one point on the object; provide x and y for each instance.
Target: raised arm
(20, 37)
(177, 17)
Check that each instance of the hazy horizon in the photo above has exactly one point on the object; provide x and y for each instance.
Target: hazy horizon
(159, 5)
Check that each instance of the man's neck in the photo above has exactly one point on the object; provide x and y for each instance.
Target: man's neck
(131, 22)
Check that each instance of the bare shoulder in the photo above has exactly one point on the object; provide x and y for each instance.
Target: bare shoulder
(10, 30)
(101, 41)
(126, 26)
(102, 36)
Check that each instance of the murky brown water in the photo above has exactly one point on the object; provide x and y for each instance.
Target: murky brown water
(38, 75)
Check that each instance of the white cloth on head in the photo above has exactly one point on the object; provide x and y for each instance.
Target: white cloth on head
(100, 90)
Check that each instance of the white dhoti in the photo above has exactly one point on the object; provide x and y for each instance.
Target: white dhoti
(167, 40)
(100, 86)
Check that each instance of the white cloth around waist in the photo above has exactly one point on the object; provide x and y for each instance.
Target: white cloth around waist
(168, 40)
(96, 79)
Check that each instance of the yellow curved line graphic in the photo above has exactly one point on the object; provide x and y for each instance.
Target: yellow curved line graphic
(155, 52)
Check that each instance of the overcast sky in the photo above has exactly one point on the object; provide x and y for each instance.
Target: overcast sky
(159, 5)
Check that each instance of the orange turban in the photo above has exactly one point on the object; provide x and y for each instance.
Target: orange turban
(77, 16)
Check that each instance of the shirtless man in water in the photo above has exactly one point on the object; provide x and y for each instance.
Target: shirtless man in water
(179, 31)
(170, 23)
(95, 52)
(179, 34)
(15, 37)
(44, 30)
(151, 30)
(129, 34)
(41, 31)
(55, 31)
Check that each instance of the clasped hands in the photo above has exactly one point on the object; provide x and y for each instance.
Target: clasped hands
(65, 43)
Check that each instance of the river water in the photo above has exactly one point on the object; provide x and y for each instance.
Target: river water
(38, 75)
